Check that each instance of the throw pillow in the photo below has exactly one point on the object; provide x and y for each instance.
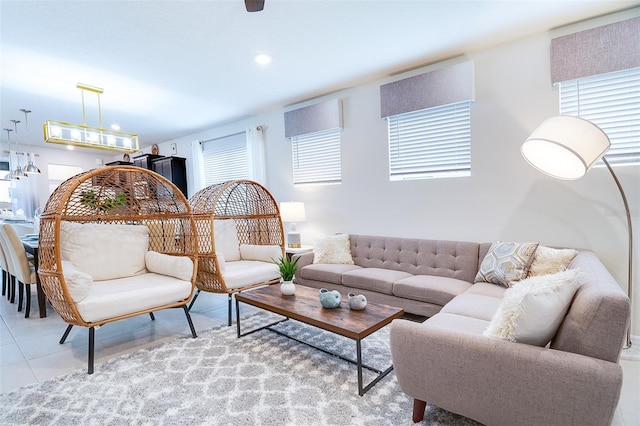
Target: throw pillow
(506, 262)
(532, 309)
(221, 261)
(263, 253)
(105, 251)
(180, 267)
(225, 236)
(547, 260)
(333, 249)
(78, 283)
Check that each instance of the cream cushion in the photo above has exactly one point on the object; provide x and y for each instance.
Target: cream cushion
(264, 253)
(506, 262)
(333, 249)
(221, 261)
(532, 309)
(225, 236)
(78, 283)
(109, 299)
(547, 260)
(105, 251)
(245, 273)
(180, 267)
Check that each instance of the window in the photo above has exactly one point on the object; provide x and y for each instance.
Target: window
(612, 101)
(225, 159)
(316, 157)
(429, 143)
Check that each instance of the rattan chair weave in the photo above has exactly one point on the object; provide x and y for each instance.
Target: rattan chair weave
(113, 195)
(257, 219)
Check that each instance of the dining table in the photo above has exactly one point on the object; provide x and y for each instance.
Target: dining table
(31, 246)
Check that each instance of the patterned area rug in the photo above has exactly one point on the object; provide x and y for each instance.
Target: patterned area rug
(218, 379)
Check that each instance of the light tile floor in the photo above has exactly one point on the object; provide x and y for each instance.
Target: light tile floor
(30, 352)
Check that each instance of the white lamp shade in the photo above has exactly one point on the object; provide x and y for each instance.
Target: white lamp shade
(565, 146)
(292, 211)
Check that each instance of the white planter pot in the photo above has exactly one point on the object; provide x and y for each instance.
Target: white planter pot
(287, 288)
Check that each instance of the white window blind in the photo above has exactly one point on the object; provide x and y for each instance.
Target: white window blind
(611, 101)
(433, 142)
(316, 157)
(225, 159)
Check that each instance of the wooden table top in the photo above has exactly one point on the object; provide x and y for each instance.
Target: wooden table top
(305, 306)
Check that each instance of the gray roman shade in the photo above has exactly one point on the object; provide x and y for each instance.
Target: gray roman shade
(440, 87)
(600, 50)
(315, 118)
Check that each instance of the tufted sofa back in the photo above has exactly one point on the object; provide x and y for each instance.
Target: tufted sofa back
(452, 259)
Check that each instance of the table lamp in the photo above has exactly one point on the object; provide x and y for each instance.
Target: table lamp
(293, 211)
(565, 147)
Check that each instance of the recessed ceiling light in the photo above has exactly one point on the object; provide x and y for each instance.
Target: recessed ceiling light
(115, 127)
(262, 59)
(70, 147)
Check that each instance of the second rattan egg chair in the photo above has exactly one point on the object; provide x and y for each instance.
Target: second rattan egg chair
(129, 197)
(257, 220)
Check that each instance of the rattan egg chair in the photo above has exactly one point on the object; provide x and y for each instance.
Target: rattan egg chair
(116, 195)
(257, 220)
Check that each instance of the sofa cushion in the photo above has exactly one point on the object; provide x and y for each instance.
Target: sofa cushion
(225, 235)
(506, 262)
(533, 308)
(457, 323)
(78, 283)
(243, 273)
(105, 251)
(180, 267)
(374, 279)
(330, 273)
(547, 260)
(109, 299)
(473, 305)
(264, 253)
(333, 249)
(487, 289)
(429, 288)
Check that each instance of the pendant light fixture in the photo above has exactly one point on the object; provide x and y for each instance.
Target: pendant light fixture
(30, 168)
(16, 173)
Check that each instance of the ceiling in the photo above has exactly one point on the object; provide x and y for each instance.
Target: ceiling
(173, 68)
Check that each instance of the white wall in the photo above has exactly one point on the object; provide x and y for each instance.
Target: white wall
(504, 198)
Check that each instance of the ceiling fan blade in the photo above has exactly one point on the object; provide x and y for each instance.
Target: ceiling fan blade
(254, 5)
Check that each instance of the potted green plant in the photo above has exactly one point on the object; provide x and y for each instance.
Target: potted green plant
(287, 268)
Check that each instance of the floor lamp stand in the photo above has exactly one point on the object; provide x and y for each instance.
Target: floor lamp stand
(630, 270)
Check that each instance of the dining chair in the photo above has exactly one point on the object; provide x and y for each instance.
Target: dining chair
(23, 270)
(6, 277)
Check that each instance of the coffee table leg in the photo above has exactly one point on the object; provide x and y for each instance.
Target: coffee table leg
(359, 364)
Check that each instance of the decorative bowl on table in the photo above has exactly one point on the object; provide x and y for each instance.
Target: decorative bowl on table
(330, 298)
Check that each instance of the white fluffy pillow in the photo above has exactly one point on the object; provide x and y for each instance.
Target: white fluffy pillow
(105, 251)
(533, 308)
(263, 253)
(547, 260)
(78, 283)
(180, 267)
(333, 249)
(225, 235)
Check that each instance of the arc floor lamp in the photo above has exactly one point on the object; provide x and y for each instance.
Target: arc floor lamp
(565, 147)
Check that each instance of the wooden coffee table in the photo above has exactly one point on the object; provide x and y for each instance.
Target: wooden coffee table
(305, 307)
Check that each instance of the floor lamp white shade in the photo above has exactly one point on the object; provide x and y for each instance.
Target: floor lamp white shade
(565, 147)
(293, 211)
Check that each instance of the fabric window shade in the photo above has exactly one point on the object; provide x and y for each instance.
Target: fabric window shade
(440, 87)
(225, 159)
(600, 50)
(316, 157)
(433, 142)
(612, 102)
(315, 118)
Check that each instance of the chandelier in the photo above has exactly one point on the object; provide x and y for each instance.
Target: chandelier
(86, 136)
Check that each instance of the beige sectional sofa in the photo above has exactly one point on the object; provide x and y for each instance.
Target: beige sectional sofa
(447, 361)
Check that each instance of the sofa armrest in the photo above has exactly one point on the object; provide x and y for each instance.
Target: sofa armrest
(495, 381)
(304, 259)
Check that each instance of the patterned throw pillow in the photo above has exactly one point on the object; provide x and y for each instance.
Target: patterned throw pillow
(506, 262)
(333, 249)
